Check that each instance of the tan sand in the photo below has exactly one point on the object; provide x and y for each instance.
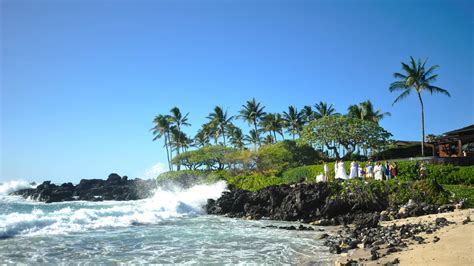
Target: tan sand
(455, 247)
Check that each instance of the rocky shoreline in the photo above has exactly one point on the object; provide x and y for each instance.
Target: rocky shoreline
(314, 203)
(114, 188)
(360, 219)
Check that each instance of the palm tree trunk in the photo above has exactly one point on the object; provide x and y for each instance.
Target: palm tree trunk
(256, 132)
(167, 152)
(171, 150)
(422, 126)
(223, 134)
(275, 136)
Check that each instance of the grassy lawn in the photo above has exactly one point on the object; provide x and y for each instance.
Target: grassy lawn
(462, 191)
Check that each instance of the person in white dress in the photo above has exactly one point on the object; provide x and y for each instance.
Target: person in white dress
(370, 170)
(326, 171)
(354, 170)
(378, 171)
(341, 172)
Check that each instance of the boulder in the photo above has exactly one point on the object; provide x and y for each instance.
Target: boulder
(114, 188)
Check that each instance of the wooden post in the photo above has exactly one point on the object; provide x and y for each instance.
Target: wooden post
(459, 148)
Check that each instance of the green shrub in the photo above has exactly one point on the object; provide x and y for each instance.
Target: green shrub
(444, 174)
(275, 158)
(190, 177)
(462, 192)
(255, 182)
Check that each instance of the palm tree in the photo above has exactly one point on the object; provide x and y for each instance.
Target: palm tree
(307, 114)
(252, 112)
(221, 120)
(236, 137)
(178, 120)
(293, 120)
(365, 111)
(253, 138)
(268, 139)
(201, 139)
(323, 109)
(416, 78)
(273, 123)
(162, 129)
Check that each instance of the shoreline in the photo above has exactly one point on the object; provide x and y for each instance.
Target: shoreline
(449, 245)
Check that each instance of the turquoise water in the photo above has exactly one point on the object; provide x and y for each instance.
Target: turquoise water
(171, 227)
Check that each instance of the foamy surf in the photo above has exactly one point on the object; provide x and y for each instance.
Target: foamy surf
(12, 186)
(64, 218)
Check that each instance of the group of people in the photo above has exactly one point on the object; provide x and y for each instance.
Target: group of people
(377, 170)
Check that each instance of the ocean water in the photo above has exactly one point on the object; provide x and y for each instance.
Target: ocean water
(170, 227)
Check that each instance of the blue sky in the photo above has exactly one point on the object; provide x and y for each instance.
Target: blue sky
(82, 80)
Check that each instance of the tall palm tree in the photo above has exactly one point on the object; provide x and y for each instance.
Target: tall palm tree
(293, 120)
(252, 112)
(178, 120)
(268, 139)
(324, 109)
(162, 129)
(236, 137)
(417, 77)
(253, 138)
(221, 119)
(307, 114)
(179, 140)
(273, 123)
(365, 111)
(201, 138)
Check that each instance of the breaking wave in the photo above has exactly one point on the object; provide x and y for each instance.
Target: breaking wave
(35, 218)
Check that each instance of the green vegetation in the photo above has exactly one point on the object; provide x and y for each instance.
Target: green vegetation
(395, 191)
(365, 111)
(332, 132)
(444, 174)
(462, 192)
(416, 78)
(268, 129)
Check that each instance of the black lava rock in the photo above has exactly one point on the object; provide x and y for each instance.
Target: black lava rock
(114, 188)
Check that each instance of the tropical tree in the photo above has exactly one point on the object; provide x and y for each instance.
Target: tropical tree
(307, 114)
(273, 123)
(323, 109)
(201, 138)
(365, 111)
(178, 120)
(253, 138)
(220, 118)
(268, 139)
(416, 77)
(350, 133)
(162, 129)
(236, 136)
(293, 120)
(252, 112)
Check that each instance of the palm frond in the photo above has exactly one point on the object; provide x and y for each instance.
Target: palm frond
(431, 79)
(400, 76)
(402, 96)
(430, 70)
(397, 85)
(434, 89)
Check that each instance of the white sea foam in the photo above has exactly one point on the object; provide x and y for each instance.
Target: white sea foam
(12, 186)
(63, 218)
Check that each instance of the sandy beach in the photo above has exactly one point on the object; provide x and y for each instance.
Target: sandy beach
(450, 245)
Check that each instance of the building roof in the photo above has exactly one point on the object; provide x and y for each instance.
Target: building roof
(468, 129)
